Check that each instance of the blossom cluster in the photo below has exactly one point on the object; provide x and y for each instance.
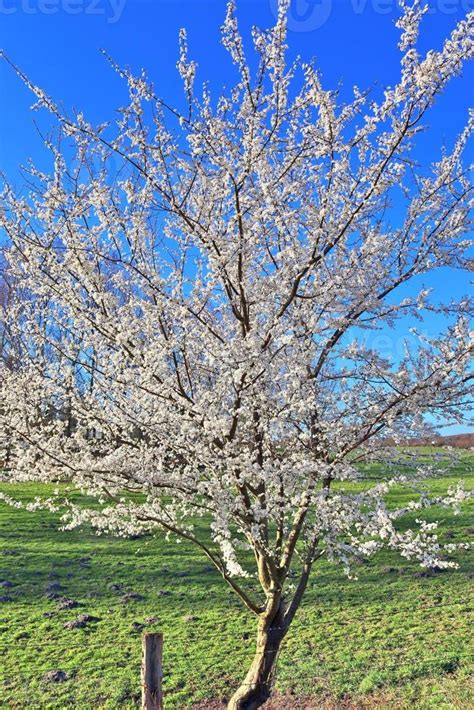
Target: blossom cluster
(186, 341)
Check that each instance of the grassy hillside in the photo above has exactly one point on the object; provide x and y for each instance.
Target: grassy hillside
(394, 634)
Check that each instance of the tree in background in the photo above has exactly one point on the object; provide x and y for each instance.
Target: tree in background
(200, 313)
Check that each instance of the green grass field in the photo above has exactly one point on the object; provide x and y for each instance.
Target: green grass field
(392, 634)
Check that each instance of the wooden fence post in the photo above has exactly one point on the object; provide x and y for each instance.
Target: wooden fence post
(152, 673)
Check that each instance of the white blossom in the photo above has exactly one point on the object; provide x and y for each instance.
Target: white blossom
(188, 339)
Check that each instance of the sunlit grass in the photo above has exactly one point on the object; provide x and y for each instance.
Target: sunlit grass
(392, 631)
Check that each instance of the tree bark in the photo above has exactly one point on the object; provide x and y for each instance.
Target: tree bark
(257, 685)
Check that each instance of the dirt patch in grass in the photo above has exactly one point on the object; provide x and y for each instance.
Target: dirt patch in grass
(291, 702)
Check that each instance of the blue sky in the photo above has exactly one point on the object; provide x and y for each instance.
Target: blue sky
(56, 43)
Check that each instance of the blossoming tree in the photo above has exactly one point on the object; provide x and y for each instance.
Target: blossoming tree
(193, 321)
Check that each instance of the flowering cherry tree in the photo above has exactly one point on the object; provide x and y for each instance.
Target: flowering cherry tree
(193, 323)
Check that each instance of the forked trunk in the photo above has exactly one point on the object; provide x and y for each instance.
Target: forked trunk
(257, 685)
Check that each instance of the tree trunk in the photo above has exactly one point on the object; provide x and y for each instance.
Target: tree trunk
(257, 685)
